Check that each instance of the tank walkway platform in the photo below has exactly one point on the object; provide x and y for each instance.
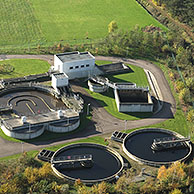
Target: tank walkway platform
(45, 155)
(117, 86)
(73, 161)
(118, 136)
(160, 144)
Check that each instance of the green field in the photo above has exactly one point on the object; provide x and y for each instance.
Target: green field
(23, 67)
(33, 22)
(107, 99)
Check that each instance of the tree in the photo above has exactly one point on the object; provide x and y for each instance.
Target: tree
(31, 174)
(176, 191)
(101, 188)
(179, 86)
(112, 27)
(184, 95)
(190, 116)
(190, 83)
(172, 177)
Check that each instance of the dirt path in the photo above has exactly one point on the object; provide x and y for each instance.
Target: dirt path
(102, 122)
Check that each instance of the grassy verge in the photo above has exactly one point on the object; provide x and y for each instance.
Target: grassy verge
(23, 67)
(33, 153)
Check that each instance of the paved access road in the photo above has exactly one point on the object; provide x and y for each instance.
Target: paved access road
(102, 122)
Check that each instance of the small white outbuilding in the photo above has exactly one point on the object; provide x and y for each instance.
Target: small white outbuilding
(59, 80)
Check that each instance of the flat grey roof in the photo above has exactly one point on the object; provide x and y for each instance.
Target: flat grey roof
(60, 75)
(74, 56)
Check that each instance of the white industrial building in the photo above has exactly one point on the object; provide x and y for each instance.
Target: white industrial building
(75, 64)
(59, 80)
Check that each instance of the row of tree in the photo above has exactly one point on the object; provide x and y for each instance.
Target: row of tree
(182, 10)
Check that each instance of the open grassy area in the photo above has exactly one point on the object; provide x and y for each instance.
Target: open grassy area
(33, 22)
(107, 99)
(18, 23)
(23, 67)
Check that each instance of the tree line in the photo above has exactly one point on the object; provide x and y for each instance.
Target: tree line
(28, 175)
(180, 9)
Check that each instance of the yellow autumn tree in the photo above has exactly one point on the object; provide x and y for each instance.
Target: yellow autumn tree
(112, 27)
(173, 176)
(31, 174)
(162, 173)
(176, 191)
(45, 171)
(101, 188)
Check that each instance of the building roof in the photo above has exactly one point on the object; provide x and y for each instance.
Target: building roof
(74, 56)
(59, 75)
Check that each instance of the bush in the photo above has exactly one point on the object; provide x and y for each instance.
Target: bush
(190, 116)
(190, 83)
(184, 95)
(179, 86)
(6, 68)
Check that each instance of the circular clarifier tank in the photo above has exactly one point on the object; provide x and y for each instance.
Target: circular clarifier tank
(104, 164)
(138, 145)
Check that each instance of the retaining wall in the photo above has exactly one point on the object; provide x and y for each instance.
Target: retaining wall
(24, 135)
(133, 107)
(64, 129)
(97, 87)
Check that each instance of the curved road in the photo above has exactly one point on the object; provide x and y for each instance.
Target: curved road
(102, 122)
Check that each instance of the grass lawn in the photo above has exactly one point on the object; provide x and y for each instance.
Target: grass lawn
(33, 22)
(23, 67)
(107, 99)
(18, 23)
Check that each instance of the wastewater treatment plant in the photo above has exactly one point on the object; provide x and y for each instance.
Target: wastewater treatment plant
(28, 108)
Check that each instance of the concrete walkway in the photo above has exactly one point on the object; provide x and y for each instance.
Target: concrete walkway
(102, 122)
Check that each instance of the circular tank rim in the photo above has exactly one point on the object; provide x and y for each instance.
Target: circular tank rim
(109, 178)
(150, 162)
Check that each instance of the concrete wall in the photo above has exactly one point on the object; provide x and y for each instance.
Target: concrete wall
(64, 129)
(97, 87)
(59, 81)
(26, 135)
(133, 107)
(34, 134)
(78, 69)
(57, 64)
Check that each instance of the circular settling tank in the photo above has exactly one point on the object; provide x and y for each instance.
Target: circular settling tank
(107, 163)
(137, 145)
